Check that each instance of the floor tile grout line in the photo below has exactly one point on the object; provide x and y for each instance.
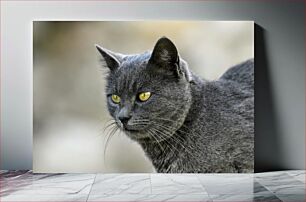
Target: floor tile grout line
(274, 194)
(91, 187)
(202, 185)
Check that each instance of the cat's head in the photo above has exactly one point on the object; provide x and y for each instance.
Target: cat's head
(148, 94)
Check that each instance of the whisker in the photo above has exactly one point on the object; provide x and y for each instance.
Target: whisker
(168, 144)
(178, 141)
(169, 132)
(140, 122)
(108, 126)
(110, 135)
(144, 121)
(153, 135)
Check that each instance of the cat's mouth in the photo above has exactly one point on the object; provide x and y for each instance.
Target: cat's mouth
(135, 134)
(130, 130)
(133, 128)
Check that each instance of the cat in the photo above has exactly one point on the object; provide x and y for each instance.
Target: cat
(184, 124)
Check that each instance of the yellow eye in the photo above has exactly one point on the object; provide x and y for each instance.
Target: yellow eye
(116, 99)
(144, 96)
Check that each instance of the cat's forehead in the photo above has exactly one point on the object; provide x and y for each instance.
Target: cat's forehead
(132, 66)
(135, 60)
(131, 75)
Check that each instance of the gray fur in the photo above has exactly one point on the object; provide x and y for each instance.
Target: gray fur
(188, 125)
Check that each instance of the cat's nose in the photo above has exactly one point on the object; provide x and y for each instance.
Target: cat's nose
(124, 115)
(124, 119)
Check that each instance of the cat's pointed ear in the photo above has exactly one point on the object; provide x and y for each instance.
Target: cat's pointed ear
(111, 59)
(165, 59)
(164, 53)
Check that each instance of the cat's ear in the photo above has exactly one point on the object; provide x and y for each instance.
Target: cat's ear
(111, 59)
(164, 53)
(165, 59)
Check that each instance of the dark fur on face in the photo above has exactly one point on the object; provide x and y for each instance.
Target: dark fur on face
(187, 125)
(160, 73)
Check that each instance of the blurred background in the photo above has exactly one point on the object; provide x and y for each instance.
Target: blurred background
(69, 104)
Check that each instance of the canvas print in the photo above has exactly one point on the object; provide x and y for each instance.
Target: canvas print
(143, 96)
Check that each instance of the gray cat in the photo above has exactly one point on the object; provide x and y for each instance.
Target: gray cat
(185, 124)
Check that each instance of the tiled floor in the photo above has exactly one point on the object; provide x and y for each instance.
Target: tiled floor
(273, 186)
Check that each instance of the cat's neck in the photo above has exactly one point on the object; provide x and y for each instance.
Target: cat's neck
(164, 154)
